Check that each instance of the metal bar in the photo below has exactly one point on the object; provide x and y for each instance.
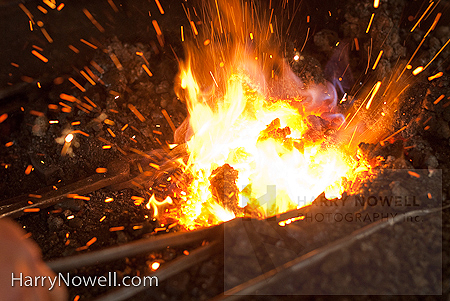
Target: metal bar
(133, 248)
(172, 268)
(277, 274)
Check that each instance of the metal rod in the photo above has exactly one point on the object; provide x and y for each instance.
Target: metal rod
(132, 249)
(277, 274)
(172, 268)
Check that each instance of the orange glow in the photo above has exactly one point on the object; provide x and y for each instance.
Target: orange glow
(155, 265)
(69, 138)
(417, 70)
(264, 137)
(437, 75)
(39, 56)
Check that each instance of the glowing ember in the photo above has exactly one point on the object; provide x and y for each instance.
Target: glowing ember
(68, 138)
(155, 265)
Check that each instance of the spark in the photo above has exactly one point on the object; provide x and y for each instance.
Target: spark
(155, 265)
(417, 70)
(114, 229)
(43, 10)
(111, 132)
(386, 139)
(296, 57)
(35, 196)
(136, 112)
(8, 144)
(147, 70)
(60, 7)
(39, 56)
(288, 221)
(155, 166)
(15, 65)
(90, 242)
(76, 123)
(423, 15)
(31, 210)
(28, 169)
(116, 61)
(109, 122)
(49, 4)
(101, 170)
(27, 12)
(376, 3)
(438, 16)
(3, 117)
(182, 34)
(370, 23)
(68, 138)
(161, 10)
(437, 75)
(374, 92)
(210, 72)
(103, 218)
(113, 6)
(37, 47)
(106, 146)
(194, 29)
(353, 136)
(76, 84)
(80, 132)
(74, 49)
(97, 67)
(306, 39)
(90, 45)
(439, 99)
(377, 60)
(435, 56)
(77, 197)
(159, 34)
(46, 35)
(167, 117)
(93, 20)
(413, 174)
(90, 80)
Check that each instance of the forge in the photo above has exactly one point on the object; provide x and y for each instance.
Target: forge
(228, 149)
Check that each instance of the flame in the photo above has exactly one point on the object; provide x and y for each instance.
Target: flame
(256, 116)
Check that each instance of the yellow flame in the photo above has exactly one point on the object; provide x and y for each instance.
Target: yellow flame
(228, 124)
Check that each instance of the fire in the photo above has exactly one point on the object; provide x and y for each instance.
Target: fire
(238, 132)
(252, 135)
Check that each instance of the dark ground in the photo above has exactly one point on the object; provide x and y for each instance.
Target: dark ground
(130, 30)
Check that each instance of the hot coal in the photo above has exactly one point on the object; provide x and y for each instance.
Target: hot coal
(223, 187)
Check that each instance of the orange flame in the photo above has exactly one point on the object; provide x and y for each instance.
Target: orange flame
(233, 116)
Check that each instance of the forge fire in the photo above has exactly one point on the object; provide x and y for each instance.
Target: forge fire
(225, 148)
